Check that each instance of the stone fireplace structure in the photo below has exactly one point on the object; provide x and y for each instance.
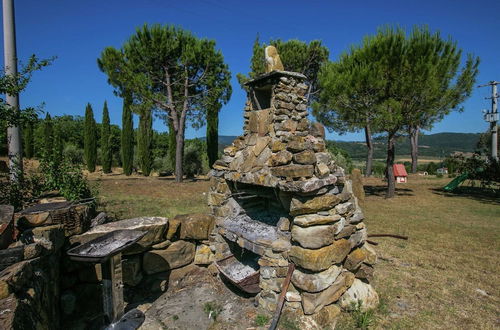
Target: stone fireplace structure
(278, 197)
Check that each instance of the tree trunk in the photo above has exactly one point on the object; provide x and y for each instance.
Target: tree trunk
(212, 136)
(391, 151)
(14, 142)
(179, 151)
(414, 130)
(369, 154)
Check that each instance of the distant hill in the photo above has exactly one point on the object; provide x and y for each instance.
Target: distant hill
(432, 145)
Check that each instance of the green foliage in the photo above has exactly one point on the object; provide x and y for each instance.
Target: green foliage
(127, 136)
(212, 309)
(73, 154)
(57, 152)
(340, 156)
(90, 139)
(407, 82)
(106, 156)
(431, 168)
(144, 138)
(261, 320)
(168, 69)
(195, 158)
(29, 140)
(296, 55)
(67, 178)
(48, 137)
(20, 193)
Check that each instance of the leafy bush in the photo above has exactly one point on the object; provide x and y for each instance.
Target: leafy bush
(73, 154)
(67, 178)
(23, 193)
(340, 156)
(261, 320)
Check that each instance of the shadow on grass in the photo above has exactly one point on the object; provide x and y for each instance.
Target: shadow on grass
(381, 190)
(483, 195)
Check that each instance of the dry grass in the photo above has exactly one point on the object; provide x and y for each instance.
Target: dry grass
(428, 282)
(432, 280)
(127, 197)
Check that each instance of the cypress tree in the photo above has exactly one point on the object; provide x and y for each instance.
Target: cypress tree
(212, 134)
(90, 139)
(48, 137)
(29, 140)
(127, 137)
(144, 138)
(105, 140)
(57, 152)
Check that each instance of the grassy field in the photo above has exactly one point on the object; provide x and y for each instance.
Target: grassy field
(446, 275)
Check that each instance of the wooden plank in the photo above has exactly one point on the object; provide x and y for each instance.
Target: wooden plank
(281, 300)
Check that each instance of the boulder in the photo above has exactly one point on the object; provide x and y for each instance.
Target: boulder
(154, 226)
(347, 231)
(327, 317)
(355, 258)
(322, 170)
(293, 171)
(359, 292)
(358, 238)
(314, 302)
(365, 272)
(282, 157)
(300, 206)
(315, 219)
(314, 237)
(203, 255)
(178, 254)
(315, 282)
(306, 157)
(195, 226)
(357, 184)
(320, 259)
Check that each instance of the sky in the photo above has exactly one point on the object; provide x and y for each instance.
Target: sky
(77, 32)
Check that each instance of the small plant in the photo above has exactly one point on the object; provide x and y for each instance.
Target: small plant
(175, 317)
(261, 320)
(288, 323)
(212, 309)
(362, 319)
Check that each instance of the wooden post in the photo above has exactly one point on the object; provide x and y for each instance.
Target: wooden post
(112, 288)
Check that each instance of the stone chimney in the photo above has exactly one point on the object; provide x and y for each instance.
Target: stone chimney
(278, 197)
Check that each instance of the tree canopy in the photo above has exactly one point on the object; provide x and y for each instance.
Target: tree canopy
(296, 55)
(403, 82)
(168, 69)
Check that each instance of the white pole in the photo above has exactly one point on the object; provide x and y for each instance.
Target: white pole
(494, 128)
(10, 62)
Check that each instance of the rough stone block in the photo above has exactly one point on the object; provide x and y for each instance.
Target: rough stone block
(314, 302)
(300, 206)
(320, 259)
(306, 157)
(315, 282)
(178, 254)
(293, 171)
(359, 291)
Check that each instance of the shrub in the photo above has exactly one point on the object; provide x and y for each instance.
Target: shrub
(261, 320)
(67, 178)
(212, 309)
(73, 154)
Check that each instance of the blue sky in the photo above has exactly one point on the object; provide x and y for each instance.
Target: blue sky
(77, 31)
